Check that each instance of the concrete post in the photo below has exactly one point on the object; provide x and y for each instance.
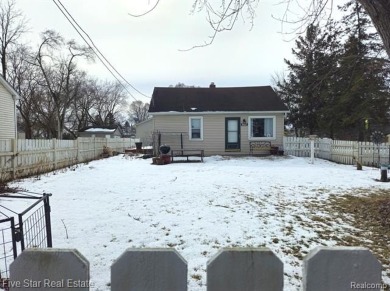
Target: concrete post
(341, 268)
(149, 270)
(49, 270)
(245, 269)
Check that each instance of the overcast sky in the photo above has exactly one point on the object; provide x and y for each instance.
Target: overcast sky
(145, 50)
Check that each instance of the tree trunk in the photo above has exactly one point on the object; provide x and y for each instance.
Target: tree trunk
(3, 66)
(379, 12)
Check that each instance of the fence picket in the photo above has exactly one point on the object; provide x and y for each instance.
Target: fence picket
(339, 151)
(35, 156)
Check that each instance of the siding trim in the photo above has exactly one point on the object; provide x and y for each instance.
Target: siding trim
(216, 112)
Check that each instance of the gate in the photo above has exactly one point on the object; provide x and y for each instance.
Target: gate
(30, 228)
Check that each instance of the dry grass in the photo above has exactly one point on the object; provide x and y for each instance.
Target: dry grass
(5, 189)
(368, 211)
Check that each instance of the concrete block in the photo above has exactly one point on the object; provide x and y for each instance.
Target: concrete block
(149, 270)
(245, 269)
(49, 270)
(341, 268)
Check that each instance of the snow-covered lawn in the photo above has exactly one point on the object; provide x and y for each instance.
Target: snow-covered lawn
(198, 208)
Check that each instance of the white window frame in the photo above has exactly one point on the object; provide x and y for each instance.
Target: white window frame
(250, 137)
(190, 128)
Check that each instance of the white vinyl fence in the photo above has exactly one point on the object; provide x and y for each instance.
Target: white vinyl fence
(339, 151)
(26, 157)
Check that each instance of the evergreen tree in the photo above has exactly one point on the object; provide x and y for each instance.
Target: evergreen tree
(307, 83)
(338, 85)
(363, 76)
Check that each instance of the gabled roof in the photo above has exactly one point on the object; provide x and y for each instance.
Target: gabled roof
(171, 99)
(9, 88)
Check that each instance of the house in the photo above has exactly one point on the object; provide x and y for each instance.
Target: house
(8, 99)
(217, 120)
(101, 132)
(128, 130)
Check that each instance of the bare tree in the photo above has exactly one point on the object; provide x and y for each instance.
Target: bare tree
(61, 76)
(25, 78)
(13, 25)
(80, 113)
(222, 15)
(110, 100)
(139, 111)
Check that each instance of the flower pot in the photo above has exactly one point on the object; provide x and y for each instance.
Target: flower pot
(274, 150)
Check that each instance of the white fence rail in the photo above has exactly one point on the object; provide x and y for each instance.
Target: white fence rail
(339, 151)
(25, 157)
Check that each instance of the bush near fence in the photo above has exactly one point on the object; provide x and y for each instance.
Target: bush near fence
(231, 269)
(25, 157)
(339, 151)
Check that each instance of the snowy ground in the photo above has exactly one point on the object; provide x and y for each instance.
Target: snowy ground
(197, 208)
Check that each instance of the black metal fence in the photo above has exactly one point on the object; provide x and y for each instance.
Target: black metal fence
(30, 228)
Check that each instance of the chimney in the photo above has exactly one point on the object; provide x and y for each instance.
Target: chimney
(212, 85)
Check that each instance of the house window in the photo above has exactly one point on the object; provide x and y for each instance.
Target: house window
(262, 127)
(196, 128)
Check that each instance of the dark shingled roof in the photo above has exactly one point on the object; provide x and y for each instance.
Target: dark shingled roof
(261, 98)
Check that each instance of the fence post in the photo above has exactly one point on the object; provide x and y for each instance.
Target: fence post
(14, 157)
(54, 147)
(149, 270)
(94, 147)
(78, 149)
(46, 205)
(245, 269)
(341, 268)
(20, 232)
(355, 153)
(312, 138)
(49, 269)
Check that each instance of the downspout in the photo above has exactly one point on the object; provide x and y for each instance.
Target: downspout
(15, 142)
(15, 118)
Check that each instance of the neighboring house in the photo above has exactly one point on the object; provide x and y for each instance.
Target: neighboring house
(8, 99)
(217, 120)
(101, 132)
(128, 130)
(144, 131)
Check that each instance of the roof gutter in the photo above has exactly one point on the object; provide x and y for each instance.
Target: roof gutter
(217, 112)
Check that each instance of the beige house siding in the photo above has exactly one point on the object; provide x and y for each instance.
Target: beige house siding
(7, 114)
(213, 141)
(144, 132)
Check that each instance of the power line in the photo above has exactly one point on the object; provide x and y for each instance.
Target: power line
(67, 15)
(101, 52)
